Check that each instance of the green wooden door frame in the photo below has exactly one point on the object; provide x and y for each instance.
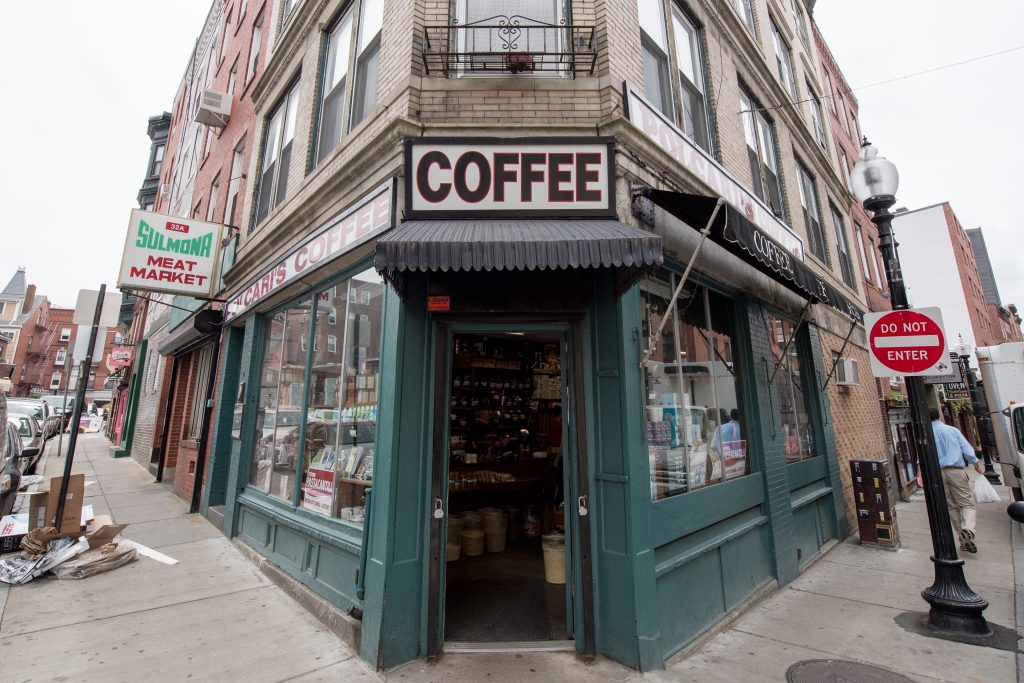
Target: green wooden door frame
(134, 389)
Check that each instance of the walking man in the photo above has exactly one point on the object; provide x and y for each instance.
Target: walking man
(955, 452)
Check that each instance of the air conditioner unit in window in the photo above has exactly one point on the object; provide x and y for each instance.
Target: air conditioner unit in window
(847, 373)
(214, 108)
(165, 190)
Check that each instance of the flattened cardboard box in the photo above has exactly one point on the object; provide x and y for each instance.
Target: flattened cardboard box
(102, 530)
(43, 505)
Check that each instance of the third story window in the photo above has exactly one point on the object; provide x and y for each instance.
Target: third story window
(812, 215)
(277, 154)
(817, 123)
(367, 68)
(764, 161)
(746, 10)
(784, 61)
(691, 76)
(654, 44)
(843, 247)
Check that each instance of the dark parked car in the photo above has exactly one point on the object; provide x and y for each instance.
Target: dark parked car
(39, 410)
(31, 433)
(14, 457)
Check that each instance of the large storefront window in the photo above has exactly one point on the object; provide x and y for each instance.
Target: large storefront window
(695, 426)
(337, 431)
(788, 384)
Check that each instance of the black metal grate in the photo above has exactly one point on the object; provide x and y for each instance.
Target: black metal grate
(841, 671)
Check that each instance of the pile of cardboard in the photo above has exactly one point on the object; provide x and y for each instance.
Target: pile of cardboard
(79, 534)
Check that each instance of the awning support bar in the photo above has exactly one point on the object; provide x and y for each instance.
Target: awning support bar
(704, 234)
(789, 342)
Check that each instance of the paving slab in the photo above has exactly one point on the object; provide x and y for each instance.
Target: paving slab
(205, 569)
(257, 635)
(852, 632)
(349, 669)
(510, 666)
(164, 533)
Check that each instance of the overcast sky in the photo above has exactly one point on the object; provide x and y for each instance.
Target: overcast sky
(76, 145)
(953, 134)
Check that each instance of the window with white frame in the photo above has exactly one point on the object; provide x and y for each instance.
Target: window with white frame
(224, 38)
(332, 343)
(654, 45)
(844, 168)
(286, 10)
(277, 153)
(158, 161)
(799, 22)
(812, 215)
(208, 145)
(817, 123)
(233, 78)
(61, 356)
(211, 208)
(784, 61)
(234, 178)
(863, 255)
(830, 93)
(241, 9)
(65, 334)
(843, 248)
(254, 47)
(336, 66)
(694, 120)
(92, 380)
(764, 161)
(367, 67)
(843, 118)
(745, 9)
(3, 307)
(55, 380)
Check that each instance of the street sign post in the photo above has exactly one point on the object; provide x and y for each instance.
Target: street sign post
(907, 343)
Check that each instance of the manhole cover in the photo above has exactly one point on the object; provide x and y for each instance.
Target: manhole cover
(840, 671)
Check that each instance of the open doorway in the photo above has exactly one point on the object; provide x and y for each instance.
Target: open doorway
(506, 570)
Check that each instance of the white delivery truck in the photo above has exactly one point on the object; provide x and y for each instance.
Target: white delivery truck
(1002, 372)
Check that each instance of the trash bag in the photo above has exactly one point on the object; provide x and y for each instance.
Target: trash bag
(984, 492)
(96, 561)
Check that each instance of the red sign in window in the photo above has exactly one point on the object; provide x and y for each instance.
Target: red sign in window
(439, 303)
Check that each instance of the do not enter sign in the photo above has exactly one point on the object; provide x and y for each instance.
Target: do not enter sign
(907, 343)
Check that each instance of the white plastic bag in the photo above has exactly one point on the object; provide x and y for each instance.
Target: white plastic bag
(984, 492)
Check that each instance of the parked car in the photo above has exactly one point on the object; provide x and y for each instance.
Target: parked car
(14, 457)
(38, 409)
(31, 433)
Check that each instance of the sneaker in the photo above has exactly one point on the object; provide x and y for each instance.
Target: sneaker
(967, 541)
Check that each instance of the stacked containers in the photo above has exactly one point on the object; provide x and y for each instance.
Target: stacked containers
(472, 534)
(495, 527)
(453, 549)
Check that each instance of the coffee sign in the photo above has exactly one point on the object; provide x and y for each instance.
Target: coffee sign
(509, 178)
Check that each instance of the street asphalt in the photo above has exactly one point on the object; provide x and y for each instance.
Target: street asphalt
(215, 617)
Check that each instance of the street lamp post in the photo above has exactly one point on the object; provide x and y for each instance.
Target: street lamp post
(980, 409)
(955, 608)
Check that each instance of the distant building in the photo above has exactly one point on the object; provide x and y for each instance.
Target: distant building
(1005, 318)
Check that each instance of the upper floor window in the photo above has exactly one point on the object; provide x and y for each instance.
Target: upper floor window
(367, 68)
(817, 124)
(233, 78)
(745, 9)
(65, 333)
(798, 21)
(693, 118)
(158, 161)
(224, 38)
(234, 178)
(812, 214)
(62, 355)
(830, 93)
(863, 255)
(784, 61)
(211, 207)
(843, 118)
(277, 153)
(844, 168)
(254, 47)
(55, 380)
(764, 161)
(843, 248)
(286, 10)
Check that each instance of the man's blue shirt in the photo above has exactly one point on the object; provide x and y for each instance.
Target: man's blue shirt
(954, 450)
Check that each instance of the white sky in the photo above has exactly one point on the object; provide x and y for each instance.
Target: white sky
(80, 80)
(82, 77)
(953, 134)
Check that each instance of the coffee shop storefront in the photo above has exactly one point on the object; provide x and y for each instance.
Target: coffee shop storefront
(508, 421)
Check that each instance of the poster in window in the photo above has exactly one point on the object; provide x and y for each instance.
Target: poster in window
(734, 456)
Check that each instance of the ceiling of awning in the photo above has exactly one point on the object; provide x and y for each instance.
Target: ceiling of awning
(505, 245)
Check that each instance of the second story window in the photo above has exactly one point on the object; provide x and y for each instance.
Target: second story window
(277, 154)
(745, 9)
(691, 76)
(654, 45)
(764, 161)
(367, 69)
(843, 248)
(339, 55)
(784, 61)
(812, 215)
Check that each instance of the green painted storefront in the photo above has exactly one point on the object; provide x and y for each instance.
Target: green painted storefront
(661, 572)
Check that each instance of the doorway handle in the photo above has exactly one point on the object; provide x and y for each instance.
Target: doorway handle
(438, 509)
(582, 506)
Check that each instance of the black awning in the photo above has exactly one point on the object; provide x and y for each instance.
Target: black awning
(475, 245)
(199, 328)
(736, 233)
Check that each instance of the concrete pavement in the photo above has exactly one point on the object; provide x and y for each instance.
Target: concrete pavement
(215, 617)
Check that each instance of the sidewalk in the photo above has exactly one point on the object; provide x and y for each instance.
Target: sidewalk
(215, 617)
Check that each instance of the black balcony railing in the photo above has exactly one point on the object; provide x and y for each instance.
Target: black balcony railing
(509, 45)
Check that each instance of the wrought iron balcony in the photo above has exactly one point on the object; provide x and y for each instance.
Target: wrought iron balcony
(509, 45)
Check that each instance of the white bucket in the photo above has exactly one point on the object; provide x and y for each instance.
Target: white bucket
(452, 552)
(472, 542)
(454, 531)
(472, 520)
(554, 557)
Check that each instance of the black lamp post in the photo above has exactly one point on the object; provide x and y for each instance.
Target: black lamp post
(955, 608)
(980, 409)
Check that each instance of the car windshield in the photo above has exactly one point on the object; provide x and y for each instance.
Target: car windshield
(33, 409)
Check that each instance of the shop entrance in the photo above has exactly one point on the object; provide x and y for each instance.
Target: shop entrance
(507, 506)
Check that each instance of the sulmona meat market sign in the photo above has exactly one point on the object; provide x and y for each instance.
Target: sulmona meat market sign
(509, 178)
(170, 254)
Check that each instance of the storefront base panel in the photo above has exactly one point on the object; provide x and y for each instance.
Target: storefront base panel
(706, 575)
(324, 564)
(812, 520)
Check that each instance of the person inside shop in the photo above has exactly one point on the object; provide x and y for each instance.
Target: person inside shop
(724, 433)
(955, 453)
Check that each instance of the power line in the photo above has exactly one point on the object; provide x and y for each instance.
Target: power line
(889, 80)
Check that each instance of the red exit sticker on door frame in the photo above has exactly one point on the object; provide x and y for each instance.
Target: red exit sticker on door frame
(439, 303)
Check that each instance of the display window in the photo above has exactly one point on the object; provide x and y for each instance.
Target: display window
(790, 371)
(696, 434)
(316, 422)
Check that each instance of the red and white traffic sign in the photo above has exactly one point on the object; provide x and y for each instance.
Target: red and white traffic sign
(906, 343)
